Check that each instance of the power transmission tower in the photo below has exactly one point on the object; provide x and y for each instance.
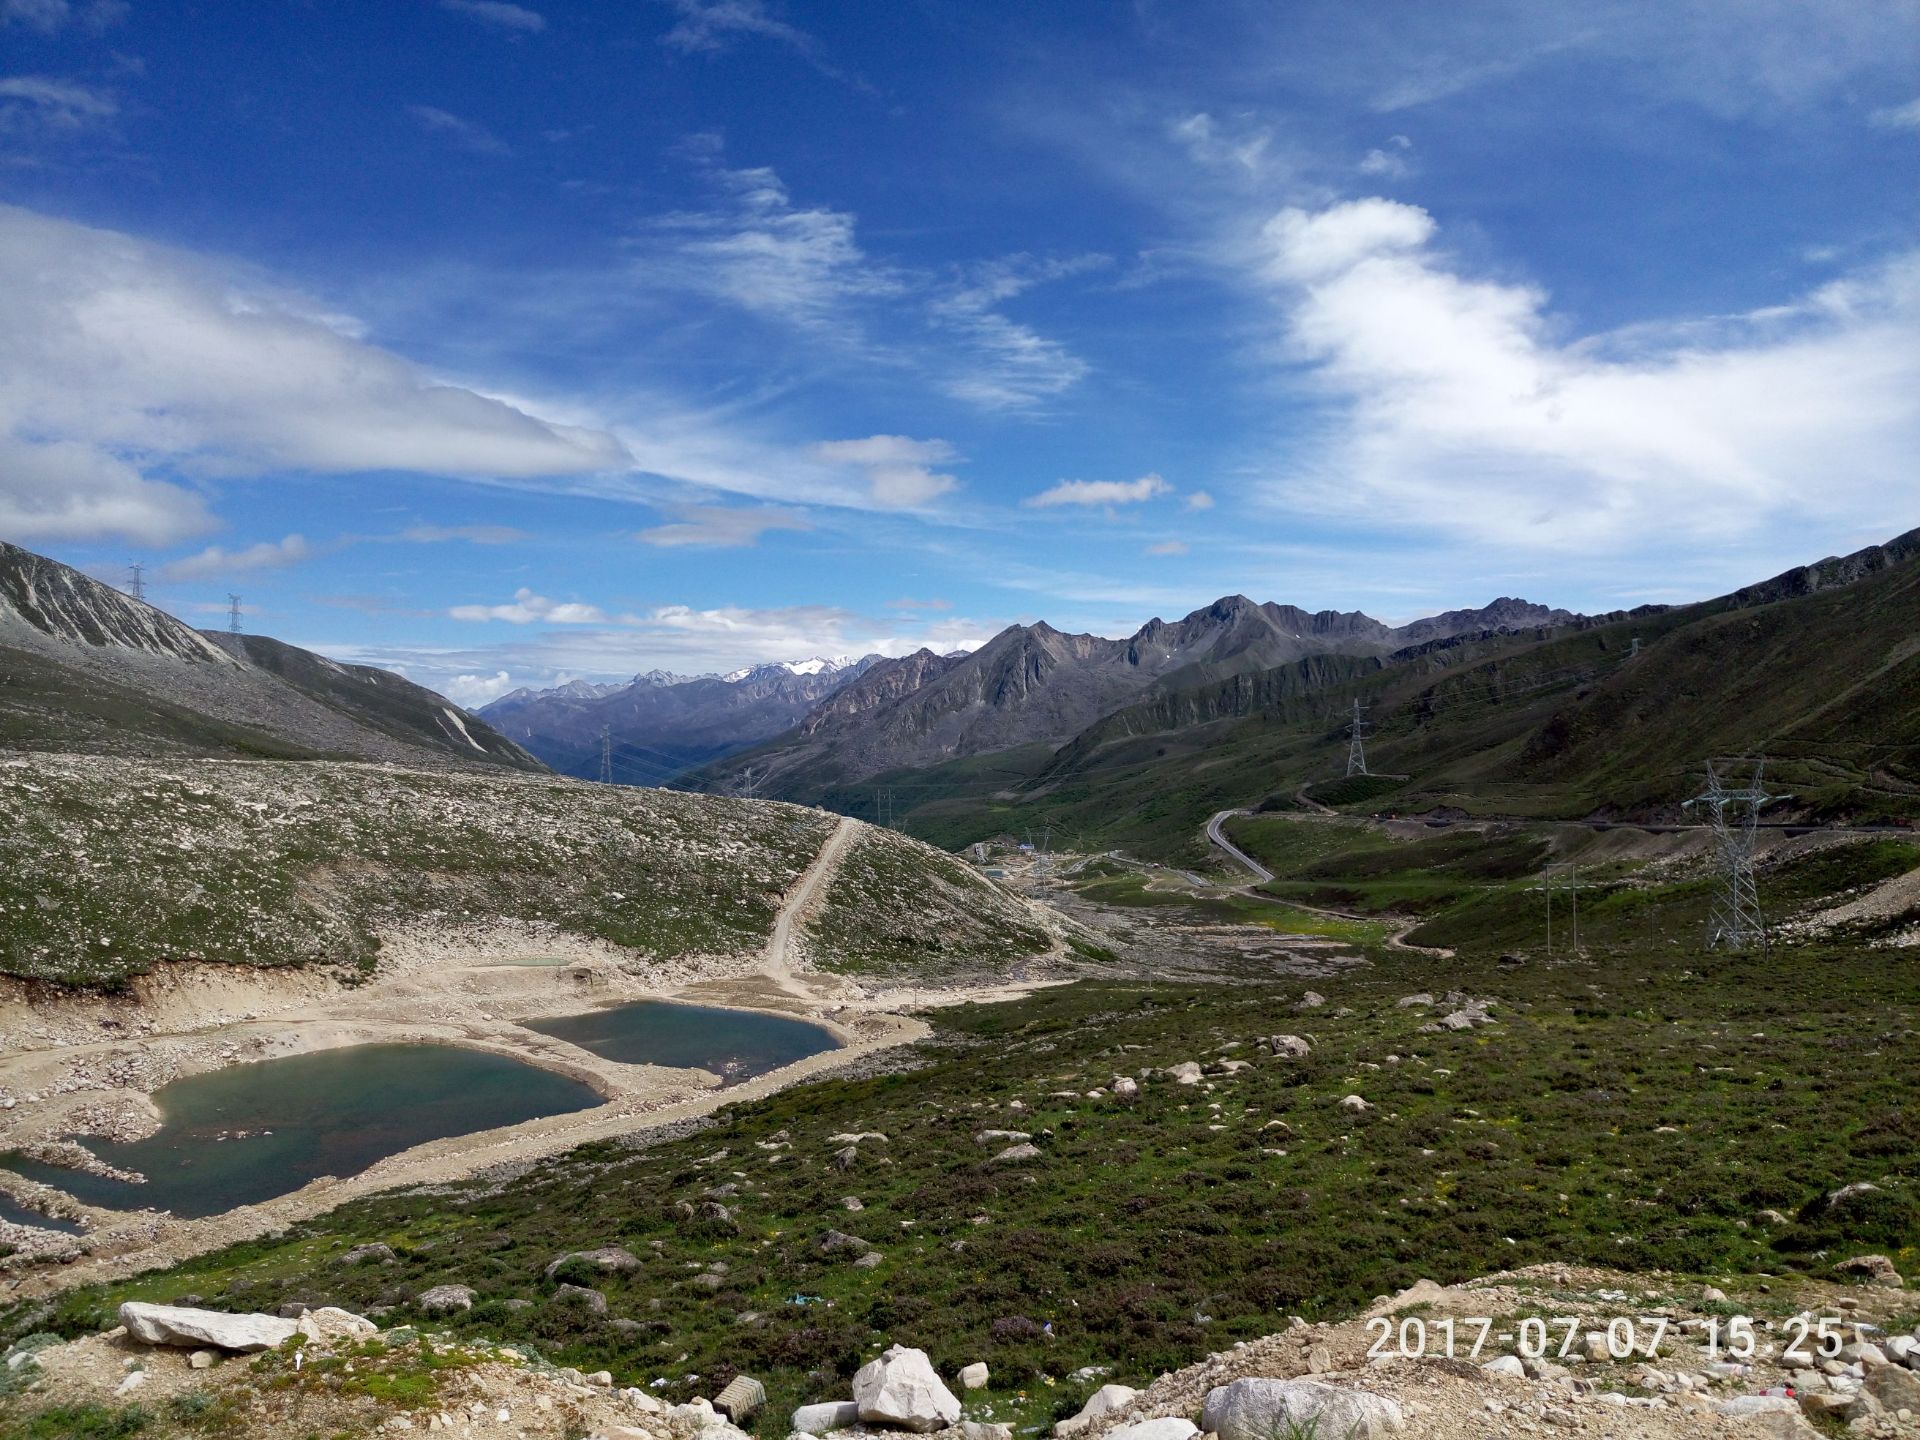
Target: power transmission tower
(233, 613)
(1636, 648)
(750, 782)
(1356, 745)
(1737, 923)
(606, 754)
(136, 584)
(883, 807)
(1562, 877)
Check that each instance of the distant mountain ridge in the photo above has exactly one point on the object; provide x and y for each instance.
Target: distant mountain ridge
(1033, 684)
(660, 724)
(90, 670)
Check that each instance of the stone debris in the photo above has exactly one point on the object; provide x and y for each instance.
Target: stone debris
(1107, 1400)
(608, 1259)
(442, 1299)
(1260, 1409)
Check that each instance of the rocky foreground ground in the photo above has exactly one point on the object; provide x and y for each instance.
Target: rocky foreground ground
(326, 1371)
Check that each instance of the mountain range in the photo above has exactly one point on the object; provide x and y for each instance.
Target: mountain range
(84, 668)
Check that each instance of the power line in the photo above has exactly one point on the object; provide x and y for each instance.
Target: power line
(1736, 923)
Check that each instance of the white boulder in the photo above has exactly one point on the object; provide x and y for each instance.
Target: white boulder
(975, 1376)
(828, 1415)
(330, 1322)
(1173, 1427)
(1102, 1403)
(182, 1325)
(1259, 1409)
(902, 1388)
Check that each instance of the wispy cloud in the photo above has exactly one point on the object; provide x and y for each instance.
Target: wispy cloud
(499, 14)
(1899, 117)
(215, 561)
(49, 17)
(215, 373)
(1012, 366)
(472, 534)
(1167, 547)
(723, 527)
(45, 103)
(1199, 500)
(1099, 492)
(468, 134)
(711, 25)
(1391, 161)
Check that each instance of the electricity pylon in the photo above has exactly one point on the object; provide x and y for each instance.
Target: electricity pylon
(136, 580)
(606, 754)
(233, 614)
(1356, 745)
(1737, 923)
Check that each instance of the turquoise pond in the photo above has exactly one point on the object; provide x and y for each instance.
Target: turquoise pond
(734, 1044)
(251, 1132)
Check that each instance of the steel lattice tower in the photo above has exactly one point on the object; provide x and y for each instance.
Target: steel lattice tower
(1737, 923)
(1357, 746)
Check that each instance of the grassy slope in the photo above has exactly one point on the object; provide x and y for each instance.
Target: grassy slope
(1619, 1113)
(899, 908)
(108, 867)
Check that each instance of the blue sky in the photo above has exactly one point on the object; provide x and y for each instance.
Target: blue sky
(509, 343)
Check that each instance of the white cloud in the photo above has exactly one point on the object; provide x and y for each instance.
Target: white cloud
(896, 466)
(499, 14)
(127, 367)
(723, 526)
(1168, 547)
(466, 133)
(1389, 161)
(470, 692)
(67, 490)
(527, 607)
(907, 602)
(214, 561)
(1099, 492)
(1899, 117)
(1199, 500)
(44, 103)
(1455, 404)
(1013, 366)
(711, 25)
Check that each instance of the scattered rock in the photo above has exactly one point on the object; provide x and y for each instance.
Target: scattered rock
(180, 1325)
(1874, 1269)
(1312, 1000)
(1288, 1047)
(1354, 1105)
(1172, 1427)
(1000, 1137)
(202, 1359)
(1017, 1155)
(1185, 1073)
(1506, 1366)
(1257, 1409)
(608, 1259)
(330, 1322)
(743, 1397)
(361, 1254)
(974, 1376)
(828, 1415)
(902, 1388)
(836, 1242)
(594, 1301)
(1102, 1403)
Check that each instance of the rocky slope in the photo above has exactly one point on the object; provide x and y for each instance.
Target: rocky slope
(89, 670)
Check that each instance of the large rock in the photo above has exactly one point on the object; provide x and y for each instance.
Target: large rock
(1173, 1427)
(1102, 1403)
(1262, 1409)
(902, 1388)
(443, 1299)
(182, 1325)
(608, 1259)
(1185, 1073)
(828, 1415)
(975, 1376)
(1894, 1388)
(1874, 1269)
(1017, 1155)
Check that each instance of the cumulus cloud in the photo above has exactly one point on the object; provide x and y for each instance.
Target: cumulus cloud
(1099, 492)
(723, 526)
(1455, 403)
(498, 14)
(468, 134)
(215, 561)
(1389, 161)
(470, 692)
(130, 371)
(1199, 500)
(897, 467)
(527, 607)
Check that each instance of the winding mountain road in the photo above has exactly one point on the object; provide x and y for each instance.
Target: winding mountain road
(1214, 833)
(776, 961)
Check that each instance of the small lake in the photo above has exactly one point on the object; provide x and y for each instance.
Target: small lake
(13, 1211)
(735, 1044)
(251, 1132)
